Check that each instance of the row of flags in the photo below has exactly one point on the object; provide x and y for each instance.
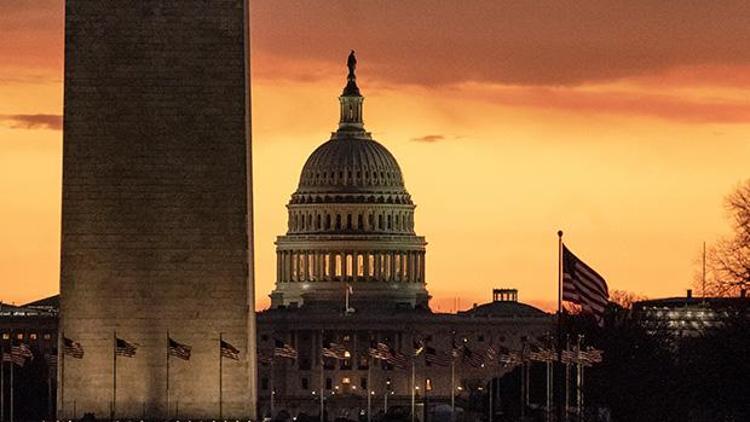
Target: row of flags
(493, 355)
(128, 349)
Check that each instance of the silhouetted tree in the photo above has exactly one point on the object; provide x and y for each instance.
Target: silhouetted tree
(728, 260)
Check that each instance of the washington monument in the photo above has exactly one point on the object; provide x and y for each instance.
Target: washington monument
(157, 227)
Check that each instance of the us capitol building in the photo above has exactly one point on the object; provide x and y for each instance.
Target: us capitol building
(351, 272)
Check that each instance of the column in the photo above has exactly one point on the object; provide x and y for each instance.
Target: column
(377, 262)
(355, 266)
(306, 266)
(393, 266)
(366, 265)
(278, 267)
(421, 267)
(412, 267)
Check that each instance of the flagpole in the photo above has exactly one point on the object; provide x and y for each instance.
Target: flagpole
(272, 393)
(167, 374)
(12, 364)
(221, 387)
(579, 380)
(453, 385)
(61, 351)
(2, 384)
(561, 409)
(369, 388)
(113, 410)
(413, 382)
(567, 382)
(322, 381)
(492, 381)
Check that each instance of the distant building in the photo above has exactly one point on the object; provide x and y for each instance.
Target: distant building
(689, 315)
(351, 271)
(34, 324)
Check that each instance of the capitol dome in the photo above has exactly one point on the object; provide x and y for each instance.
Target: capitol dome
(351, 224)
(351, 165)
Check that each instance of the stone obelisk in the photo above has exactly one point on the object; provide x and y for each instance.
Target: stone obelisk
(157, 209)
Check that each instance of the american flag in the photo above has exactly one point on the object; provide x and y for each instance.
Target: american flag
(437, 358)
(398, 360)
(336, 351)
(583, 286)
(490, 355)
(125, 348)
(418, 345)
(473, 358)
(512, 359)
(542, 354)
(22, 350)
(16, 359)
(591, 356)
(228, 351)
(284, 350)
(72, 348)
(265, 358)
(380, 351)
(51, 359)
(179, 350)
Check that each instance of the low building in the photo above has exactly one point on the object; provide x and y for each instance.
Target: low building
(689, 315)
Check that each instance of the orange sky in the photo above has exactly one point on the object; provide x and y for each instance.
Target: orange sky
(623, 124)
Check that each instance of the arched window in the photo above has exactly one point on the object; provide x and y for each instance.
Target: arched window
(328, 221)
(380, 221)
(338, 266)
(389, 222)
(348, 221)
(359, 222)
(338, 221)
(317, 221)
(360, 265)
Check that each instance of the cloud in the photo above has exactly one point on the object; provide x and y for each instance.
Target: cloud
(429, 138)
(546, 42)
(32, 121)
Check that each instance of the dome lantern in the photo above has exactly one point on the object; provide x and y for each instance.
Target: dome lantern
(351, 100)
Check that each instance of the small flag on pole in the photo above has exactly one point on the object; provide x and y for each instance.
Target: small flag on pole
(228, 351)
(380, 351)
(474, 359)
(335, 351)
(179, 350)
(51, 359)
(583, 286)
(72, 348)
(418, 345)
(22, 350)
(284, 350)
(436, 358)
(18, 360)
(397, 359)
(265, 358)
(125, 348)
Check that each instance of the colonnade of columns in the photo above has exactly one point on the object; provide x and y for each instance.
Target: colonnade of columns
(310, 266)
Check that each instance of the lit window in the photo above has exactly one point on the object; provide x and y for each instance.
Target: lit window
(428, 384)
(346, 380)
(32, 336)
(6, 336)
(19, 336)
(48, 336)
